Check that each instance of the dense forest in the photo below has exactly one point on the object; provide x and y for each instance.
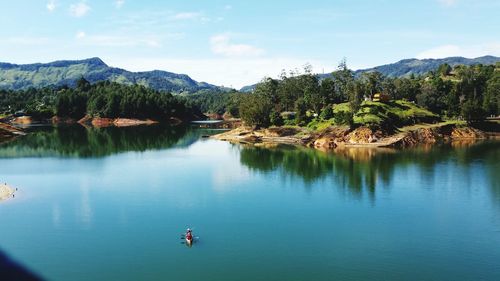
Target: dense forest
(218, 102)
(103, 99)
(463, 92)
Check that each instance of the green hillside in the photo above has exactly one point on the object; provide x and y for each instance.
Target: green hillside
(62, 73)
(394, 113)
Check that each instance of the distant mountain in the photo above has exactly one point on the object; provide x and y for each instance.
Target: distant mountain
(411, 66)
(60, 73)
(420, 67)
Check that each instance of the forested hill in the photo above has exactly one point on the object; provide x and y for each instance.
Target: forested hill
(423, 66)
(60, 73)
(405, 68)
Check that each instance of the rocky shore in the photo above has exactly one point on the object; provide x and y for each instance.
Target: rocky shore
(117, 122)
(344, 137)
(6, 192)
(8, 132)
(87, 120)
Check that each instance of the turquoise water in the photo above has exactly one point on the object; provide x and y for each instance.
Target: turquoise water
(110, 204)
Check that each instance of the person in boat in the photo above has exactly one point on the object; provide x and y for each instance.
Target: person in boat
(189, 234)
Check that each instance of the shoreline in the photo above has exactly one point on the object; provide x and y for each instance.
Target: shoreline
(361, 137)
(98, 122)
(6, 192)
(8, 132)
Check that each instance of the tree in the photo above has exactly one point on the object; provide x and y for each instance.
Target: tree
(373, 81)
(82, 84)
(328, 93)
(300, 112)
(355, 91)
(491, 103)
(275, 118)
(472, 111)
(255, 110)
(309, 85)
(342, 79)
(433, 94)
(268, 88)
(444, 69)
(71, 104)
(406, 88)
(326, 113)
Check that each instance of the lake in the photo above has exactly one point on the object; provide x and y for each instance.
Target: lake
(111, 204)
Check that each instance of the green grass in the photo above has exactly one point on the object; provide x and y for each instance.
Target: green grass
(341, 107)
(320, 125)
(395, 113)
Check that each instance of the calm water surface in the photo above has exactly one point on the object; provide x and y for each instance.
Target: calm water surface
(110, 204)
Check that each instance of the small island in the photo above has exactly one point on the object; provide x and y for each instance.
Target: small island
(6, 192)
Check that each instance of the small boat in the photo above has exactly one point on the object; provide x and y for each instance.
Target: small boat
(189, 237)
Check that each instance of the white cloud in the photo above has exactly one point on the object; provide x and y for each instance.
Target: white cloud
(79, 10)
(119, 3)
(448, 3)
(80, 35)
(228, 7)
(472, 51)
(440, 52)
(186, 16)
(51, 5)
(221, 45)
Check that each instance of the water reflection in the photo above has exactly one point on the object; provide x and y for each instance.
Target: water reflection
(363, 170)
(357, 171)
(79, 141)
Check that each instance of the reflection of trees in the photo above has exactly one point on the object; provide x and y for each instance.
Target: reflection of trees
(489, 154)
(78, 141)
(359, 170)
(311, 165)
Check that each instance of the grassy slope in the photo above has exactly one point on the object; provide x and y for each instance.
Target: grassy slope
(396, 113)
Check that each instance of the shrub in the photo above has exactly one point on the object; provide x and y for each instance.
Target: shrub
(326, 113)
(275, 118)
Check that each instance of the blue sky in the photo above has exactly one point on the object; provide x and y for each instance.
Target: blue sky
(235, 43)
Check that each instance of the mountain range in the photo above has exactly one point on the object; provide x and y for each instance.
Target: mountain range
(408, 67)
(60, 73)
(422, 66)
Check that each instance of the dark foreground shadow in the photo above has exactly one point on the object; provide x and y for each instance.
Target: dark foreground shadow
(12, 271)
